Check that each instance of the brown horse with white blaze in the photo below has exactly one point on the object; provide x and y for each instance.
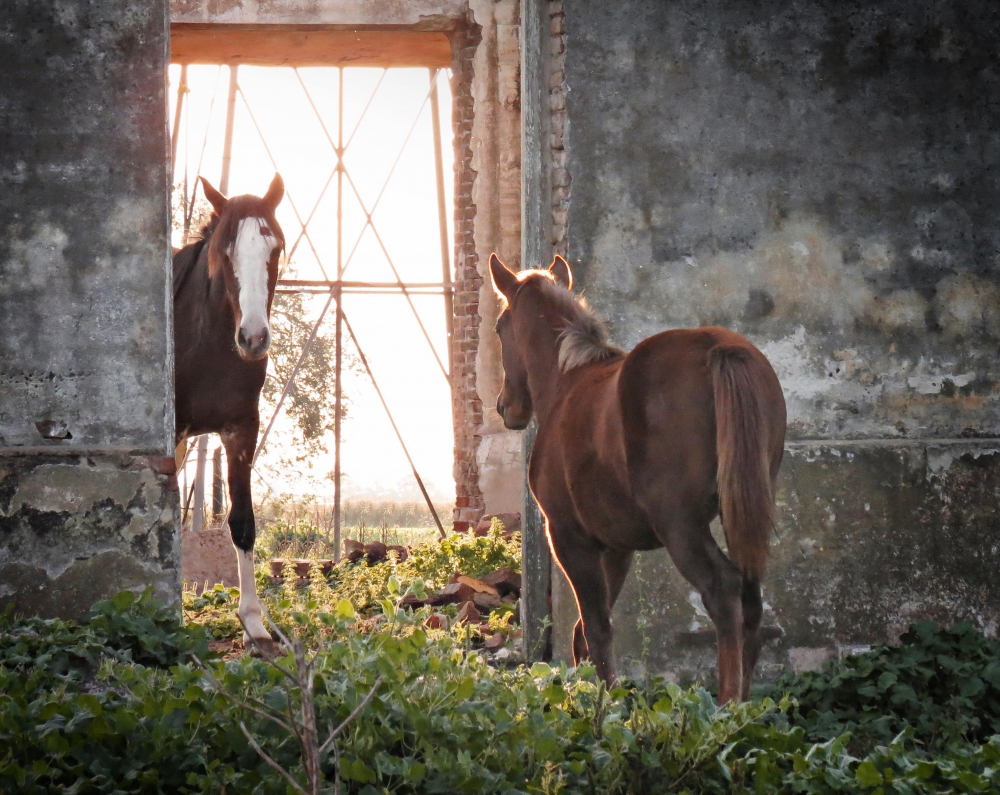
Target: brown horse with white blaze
(223, 287)
(643, 450)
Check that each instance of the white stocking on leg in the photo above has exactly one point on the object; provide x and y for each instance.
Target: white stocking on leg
(251, 611)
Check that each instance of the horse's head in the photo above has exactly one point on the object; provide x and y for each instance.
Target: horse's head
(245, 245)
(514, 403)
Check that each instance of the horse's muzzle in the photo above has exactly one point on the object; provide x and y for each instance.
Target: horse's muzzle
(253, 346)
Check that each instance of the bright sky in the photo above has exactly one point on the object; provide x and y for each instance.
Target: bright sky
(406, 219)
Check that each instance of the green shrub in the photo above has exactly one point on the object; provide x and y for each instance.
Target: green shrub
(944, 684)
(78, 714)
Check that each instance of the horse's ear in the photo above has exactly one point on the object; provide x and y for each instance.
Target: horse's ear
(217, 200)
(561, 272)
(275, 193)
(504, 279)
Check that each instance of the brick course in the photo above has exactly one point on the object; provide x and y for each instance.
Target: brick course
(468, 409)
(559, 172)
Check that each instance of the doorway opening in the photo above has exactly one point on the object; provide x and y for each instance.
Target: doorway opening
(358, 400)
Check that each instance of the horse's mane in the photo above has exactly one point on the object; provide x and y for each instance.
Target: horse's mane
(583, 339)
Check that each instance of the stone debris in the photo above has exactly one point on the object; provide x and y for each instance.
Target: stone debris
(468, 614)
(506, 582)
(479, 586)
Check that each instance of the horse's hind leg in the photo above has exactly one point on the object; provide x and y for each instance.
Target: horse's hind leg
(753, 613)
(239, 451)
(616, 565)
(720, 584)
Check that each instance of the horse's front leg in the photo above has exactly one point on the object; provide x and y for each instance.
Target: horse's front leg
(580, 559)
(240, 446)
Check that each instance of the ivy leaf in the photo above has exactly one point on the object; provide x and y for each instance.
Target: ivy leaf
(867, 774)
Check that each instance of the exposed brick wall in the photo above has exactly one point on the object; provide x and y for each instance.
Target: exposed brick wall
(560, 178)
(468, 408)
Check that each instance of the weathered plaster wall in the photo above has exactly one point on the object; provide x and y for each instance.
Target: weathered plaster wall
(84, 292)
(822, 177)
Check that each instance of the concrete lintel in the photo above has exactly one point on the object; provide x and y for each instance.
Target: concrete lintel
(413, 14)
(308, 45)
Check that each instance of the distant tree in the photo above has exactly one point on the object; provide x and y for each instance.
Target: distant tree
(310, 402)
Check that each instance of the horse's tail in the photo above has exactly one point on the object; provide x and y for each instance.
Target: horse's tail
(746, 498)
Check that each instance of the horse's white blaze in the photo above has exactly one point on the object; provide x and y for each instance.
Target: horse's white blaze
(250, 254)
(250, 607)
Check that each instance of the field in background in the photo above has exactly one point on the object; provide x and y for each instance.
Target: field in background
(303, 528)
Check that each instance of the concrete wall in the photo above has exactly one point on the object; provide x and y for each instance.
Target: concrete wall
(86, 391)
(822, 177)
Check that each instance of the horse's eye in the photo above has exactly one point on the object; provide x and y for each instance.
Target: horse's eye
(265, 231)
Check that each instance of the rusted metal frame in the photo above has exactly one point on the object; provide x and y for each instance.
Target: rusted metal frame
(369, 222)
(338, 149)
(449, 309)
(399, 436)
(402, 286)
(322, 285)
(288, 195)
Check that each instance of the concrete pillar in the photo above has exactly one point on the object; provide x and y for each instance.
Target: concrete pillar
(88, 502)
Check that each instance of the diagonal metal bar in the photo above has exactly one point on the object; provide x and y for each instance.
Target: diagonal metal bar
(274, 163)
(371, 375)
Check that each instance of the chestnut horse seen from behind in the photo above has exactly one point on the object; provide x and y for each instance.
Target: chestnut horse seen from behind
(643, 450)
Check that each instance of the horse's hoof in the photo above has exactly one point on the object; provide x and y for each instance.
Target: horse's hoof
(264, 648)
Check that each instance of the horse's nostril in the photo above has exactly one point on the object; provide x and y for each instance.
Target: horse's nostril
(241, 338)
(500, 405)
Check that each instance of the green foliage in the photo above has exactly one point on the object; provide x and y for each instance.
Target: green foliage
(127, 628)
(79, 714)
(943, 684)
(436, 562)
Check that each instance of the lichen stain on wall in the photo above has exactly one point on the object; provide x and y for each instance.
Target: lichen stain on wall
(60, 517)
(856, 357)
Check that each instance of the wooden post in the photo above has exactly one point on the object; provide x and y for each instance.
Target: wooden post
(449, 306)
(176, 131)
(536, 250)
(218, 504)
(198, 512)
(227, 144)
(339, 295)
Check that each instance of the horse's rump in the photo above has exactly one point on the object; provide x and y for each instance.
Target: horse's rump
(700, 419)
